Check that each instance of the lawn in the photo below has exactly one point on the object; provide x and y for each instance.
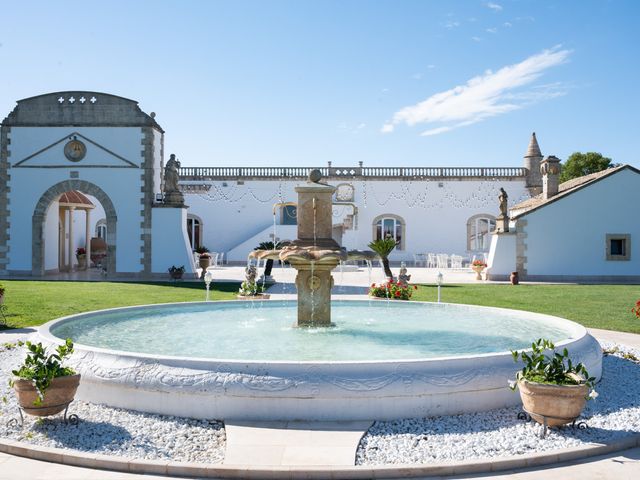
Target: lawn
(34, 303)
(30, 303)
(598, 306)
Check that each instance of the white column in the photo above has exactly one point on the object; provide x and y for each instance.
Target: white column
(72, 254)
(87, 237)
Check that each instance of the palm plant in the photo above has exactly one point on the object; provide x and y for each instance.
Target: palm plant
(383, 247)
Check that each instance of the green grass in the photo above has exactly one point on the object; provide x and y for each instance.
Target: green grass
(34, 303)
(597, 306)
(30, 303)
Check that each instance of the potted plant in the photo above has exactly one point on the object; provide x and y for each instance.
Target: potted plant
(204, 258)
(635, 310)
(478, 266)
(392, 290)
(81, 256)
(552, 388)
(42, 384)
(176, 272)
(383, 247)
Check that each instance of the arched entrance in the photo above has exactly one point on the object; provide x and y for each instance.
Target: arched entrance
(39, 217)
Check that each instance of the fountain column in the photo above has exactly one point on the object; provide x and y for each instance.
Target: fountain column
(314, 254)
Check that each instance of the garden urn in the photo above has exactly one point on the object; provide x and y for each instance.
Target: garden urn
(60, 393)
(557, 404)
(478, 269)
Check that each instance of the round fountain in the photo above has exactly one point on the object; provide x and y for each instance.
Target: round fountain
(249, 360)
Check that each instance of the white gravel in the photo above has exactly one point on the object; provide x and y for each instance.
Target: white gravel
(111, 431)
(497, 433)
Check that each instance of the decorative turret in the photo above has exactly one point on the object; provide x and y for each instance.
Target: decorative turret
(550, 170)
(532, 160)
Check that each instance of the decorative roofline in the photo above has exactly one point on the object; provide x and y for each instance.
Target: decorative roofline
(336, 173)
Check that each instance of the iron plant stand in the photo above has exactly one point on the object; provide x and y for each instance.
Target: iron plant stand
(575, 423)
(72, 419)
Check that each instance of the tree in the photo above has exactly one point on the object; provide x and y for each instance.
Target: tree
(579, 164)
(383, 247)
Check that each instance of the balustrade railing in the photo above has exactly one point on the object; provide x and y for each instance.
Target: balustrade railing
(238, 173)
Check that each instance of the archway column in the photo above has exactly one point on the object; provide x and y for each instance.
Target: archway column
(87, 239)
(71, 252)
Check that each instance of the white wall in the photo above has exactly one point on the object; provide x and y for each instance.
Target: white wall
(170, 243)
(436, 217)
(51, 226)
(567, 237)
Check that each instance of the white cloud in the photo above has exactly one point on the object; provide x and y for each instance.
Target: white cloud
(485, 96)
(494, 6)
(416, 76)
(451, 24)
(361, 126)
(492, 30)
(430, 66)
(508, 24)
(476, 39)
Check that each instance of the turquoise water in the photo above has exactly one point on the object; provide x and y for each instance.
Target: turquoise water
(374, 330)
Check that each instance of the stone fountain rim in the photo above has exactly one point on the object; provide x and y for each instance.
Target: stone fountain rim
(577, 333)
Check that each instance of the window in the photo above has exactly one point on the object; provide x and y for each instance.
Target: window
(618, 246)
(101, 229)
(479, 228)
(194, 230)
(289, 215)
(390, 226)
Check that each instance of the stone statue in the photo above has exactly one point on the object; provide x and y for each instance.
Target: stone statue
(171, 175)
(403, 278)
(250, 274)
(172, 194)
(502, 222)
(503, 197)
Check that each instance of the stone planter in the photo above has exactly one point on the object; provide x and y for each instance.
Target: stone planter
(60, 393)
(204, 261)
(82, 261)
(177, 275)
(558, 404)
(260, 296)
(514, 278)
(478, 271)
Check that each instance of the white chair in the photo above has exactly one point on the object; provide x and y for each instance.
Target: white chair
(419, 259)
(443, 260)
(456, 261)
(432, 260)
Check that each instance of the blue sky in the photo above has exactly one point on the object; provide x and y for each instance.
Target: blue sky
(402, 83)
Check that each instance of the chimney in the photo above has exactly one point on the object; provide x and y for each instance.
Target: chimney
(550, 170)
(532, 160)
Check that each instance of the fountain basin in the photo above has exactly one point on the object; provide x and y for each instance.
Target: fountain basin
(320, 388)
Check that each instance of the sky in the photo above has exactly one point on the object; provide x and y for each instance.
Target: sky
(387, 83)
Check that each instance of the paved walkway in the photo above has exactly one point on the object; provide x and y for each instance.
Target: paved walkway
(293, 443)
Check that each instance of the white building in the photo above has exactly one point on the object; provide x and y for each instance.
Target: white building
(105, 147)
(585, 230)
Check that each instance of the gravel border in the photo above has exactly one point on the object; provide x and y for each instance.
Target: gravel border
(614, 415)
(111, 431)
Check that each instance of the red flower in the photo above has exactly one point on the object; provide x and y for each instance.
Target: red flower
(415, 287)
(373, 285)
(398, 293)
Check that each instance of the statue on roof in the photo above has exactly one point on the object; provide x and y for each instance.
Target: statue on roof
(502, 222)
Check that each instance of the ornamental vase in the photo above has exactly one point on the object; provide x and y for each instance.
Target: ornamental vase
(60, 393)
(557, 404)
(478, 269)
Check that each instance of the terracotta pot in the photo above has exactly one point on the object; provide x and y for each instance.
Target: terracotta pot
(561, 404)
(204, 261)
(514, 278)
(478, 270)
(176, 275)
(60, 393)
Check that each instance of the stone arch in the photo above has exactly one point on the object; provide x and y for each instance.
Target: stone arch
(471, 228)
(39, 216)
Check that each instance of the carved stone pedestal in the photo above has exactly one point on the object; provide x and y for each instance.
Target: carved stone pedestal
(314, 285)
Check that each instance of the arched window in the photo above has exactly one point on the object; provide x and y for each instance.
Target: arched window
(101, 229)
(389, 225)
(479, 228)
(194, 230)
(289, 214)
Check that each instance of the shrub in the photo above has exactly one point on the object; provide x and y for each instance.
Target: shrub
(394, 290)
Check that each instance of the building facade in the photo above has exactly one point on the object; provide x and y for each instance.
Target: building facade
(110, 151)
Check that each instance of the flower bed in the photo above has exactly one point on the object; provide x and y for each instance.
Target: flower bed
(392, 290)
